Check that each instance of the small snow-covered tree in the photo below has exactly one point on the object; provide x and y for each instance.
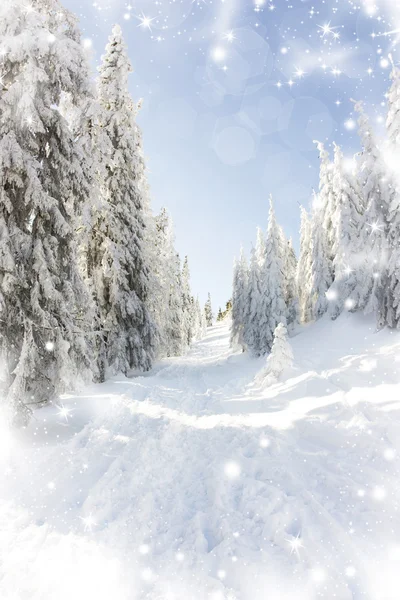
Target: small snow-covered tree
(119, 262)
(272, 302)
(44, 182)
(281, 356)
(209, 312)
(304, 274)
(199, 328)
(239, 299)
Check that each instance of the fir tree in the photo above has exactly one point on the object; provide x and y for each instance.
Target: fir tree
(290, 272)
(239, 298)
(187, 306)
(119, 263)
(304, 274)
(348, 260)
(209, 312)
(177, 343)
(251, 333)
(272, 302)
(389, 310)
(378, 192)
(44, 183)
(321, 276)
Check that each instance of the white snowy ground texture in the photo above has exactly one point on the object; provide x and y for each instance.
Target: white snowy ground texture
(192, 483)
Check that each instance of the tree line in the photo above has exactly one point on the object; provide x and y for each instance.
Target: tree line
(90, 281)
(349, 256)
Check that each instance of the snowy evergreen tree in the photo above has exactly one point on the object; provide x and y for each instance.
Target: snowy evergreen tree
(251, 333)
(199, 326)
(291, 292)
(349, 259)
(327, 200)
(304, 274)
(187, 306)
(378, 193)
(239, 299)
(177, 344)
(118, 262)
(209, 312)
(389, 310)
(281, 356)
(165, 307)
(272, 301)
(44, 183)
(321, 275)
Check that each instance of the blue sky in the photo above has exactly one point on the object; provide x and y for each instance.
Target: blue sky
(234, 93)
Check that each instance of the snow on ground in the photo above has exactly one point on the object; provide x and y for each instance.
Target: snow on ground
(193, 483)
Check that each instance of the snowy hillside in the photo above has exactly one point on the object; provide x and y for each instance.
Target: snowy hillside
(193, 483)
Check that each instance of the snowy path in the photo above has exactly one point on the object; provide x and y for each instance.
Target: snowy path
(190, 483)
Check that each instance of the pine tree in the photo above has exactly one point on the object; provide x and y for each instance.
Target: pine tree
(281, 356)
(199, 321)
(321, 275)
(187, 306)
(348, 261)
(209, 312)
(164, 308)
(44, 183)
(220, 315)
(177, 343)
(389, 310)
(290, 272)
(239, 298)
(304, 274)
(327, 200)
(251, 333)
(378, 192)
(118, 261)
(272, 302)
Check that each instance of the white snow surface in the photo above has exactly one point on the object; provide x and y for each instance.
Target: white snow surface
(191, 483)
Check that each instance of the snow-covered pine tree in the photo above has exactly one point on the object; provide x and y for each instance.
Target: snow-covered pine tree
(291, 293)
(389, 310)
(378, 192)
(198, 321)
(119, 261)
(272, 302)
(187, 306)
(208, 311)
(321, 274)
(239, 299)
(251, 333)
(349, 258)
(174, 330)
(304, 274)
(327, 199)
(163, 304)
(220, 315)
(44, 182)
(281, 356)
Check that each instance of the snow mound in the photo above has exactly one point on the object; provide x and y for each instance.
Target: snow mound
(190, 483)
